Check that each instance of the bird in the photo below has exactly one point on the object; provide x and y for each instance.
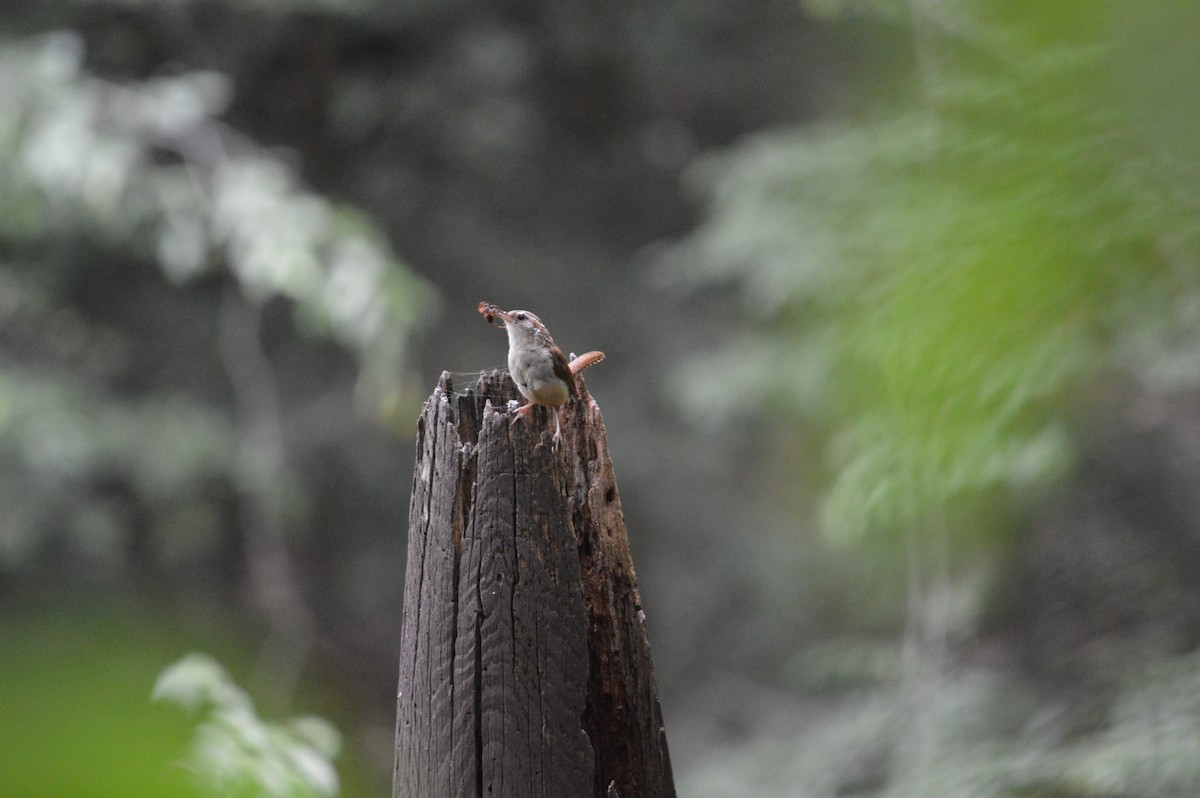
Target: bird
(541, 371)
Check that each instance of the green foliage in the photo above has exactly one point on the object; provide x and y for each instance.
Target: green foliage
(149, 166)
(931, 285)
(977, 734)
(236, 753)
(57, 439)
(100, 183)
(1150, 747)
(935, 736)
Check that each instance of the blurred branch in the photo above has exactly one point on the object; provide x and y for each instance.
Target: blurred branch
(273, 582)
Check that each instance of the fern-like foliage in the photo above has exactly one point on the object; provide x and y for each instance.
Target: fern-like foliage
(931, 283)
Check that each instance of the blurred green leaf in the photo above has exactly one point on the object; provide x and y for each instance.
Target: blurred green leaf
(237, 753)
(197, 681)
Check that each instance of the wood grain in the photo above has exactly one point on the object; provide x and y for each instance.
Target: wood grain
(525, 669)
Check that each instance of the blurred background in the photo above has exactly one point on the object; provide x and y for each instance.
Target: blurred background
(902, 313)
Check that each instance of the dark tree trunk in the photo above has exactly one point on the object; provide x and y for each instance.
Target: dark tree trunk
(525, 669)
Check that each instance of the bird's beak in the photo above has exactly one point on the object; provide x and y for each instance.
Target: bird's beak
(503, 315)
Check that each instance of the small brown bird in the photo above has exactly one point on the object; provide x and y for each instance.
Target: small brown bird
(537, 366)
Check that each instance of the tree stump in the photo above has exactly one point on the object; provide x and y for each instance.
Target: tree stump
(525, 670)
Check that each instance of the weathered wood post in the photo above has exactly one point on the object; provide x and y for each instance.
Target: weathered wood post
(525, 670)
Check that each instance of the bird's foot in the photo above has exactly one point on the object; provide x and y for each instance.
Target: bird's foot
(521, 412)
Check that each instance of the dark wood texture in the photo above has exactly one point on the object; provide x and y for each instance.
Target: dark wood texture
(525, 670)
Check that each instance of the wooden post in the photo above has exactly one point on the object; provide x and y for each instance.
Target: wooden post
(525, 670)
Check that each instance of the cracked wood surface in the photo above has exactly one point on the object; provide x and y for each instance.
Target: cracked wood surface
(525, 669)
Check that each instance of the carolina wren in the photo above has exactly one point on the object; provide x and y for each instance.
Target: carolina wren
(539, 368)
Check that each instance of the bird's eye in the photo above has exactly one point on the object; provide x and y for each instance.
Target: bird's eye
(521, 317)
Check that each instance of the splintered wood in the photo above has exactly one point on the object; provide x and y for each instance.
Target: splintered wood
(525, 670)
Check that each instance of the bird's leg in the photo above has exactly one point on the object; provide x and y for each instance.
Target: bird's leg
(522, 411)
(557, 429)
